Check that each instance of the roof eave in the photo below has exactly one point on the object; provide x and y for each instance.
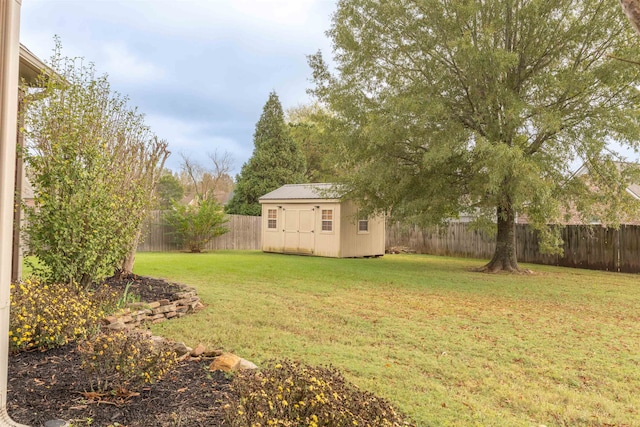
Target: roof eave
(633, 194)
(283, 201)
(30, 66)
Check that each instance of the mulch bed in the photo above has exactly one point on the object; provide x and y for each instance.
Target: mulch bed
(146, 288)
(50, 385)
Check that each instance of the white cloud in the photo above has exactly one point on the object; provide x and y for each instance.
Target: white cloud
(121, 64)
(196, 140)
(283, 23)
(190, 61)
(276, 13)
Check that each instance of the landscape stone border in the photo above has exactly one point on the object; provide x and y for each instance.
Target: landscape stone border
(185, 301)
(181, 303)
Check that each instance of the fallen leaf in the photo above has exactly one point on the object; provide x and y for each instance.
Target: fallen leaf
(92, 395)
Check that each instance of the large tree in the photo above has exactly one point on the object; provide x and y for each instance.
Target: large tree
(276, 160)
(211, 180)
(483, 107)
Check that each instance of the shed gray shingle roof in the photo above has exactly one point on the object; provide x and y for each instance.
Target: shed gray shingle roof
(302, 191)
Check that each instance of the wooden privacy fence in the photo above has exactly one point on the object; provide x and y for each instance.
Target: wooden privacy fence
(244, 234)
(591, 247)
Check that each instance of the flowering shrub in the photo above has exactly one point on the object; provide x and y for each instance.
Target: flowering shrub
(124, 360)
(49, 315)
(290, 394)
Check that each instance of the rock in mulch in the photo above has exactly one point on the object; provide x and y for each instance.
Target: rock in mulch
(230, 362)
(198, 351)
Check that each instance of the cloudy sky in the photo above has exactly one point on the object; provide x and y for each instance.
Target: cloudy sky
(200, 70)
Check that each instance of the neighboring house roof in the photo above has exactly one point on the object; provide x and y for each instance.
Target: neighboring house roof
(221, 197)
(303, 191)
(633, 189)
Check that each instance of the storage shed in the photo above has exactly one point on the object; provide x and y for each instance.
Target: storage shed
(312, 219)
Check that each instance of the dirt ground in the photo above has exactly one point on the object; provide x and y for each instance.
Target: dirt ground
(50, 385)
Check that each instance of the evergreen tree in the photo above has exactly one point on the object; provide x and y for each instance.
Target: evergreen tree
(276, 160)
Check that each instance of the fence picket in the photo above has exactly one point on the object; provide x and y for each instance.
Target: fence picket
(591, 247)
(244, 234)
(585, 246)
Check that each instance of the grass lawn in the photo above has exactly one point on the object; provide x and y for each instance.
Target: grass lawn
(448, 346)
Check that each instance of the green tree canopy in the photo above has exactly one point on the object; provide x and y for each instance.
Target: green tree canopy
(276, 160)
(308, 128)
(483, 107)
(169, 190)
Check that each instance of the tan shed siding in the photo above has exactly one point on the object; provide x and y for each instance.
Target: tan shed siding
(357, 244)
(378, 235)
(299, 228)
(328, 242)
(349, 227)
(271, 238)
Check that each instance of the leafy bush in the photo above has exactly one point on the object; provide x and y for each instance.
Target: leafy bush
(290, 394)
(49, 315)
(124, 360)
(195, 225)
(93, 163)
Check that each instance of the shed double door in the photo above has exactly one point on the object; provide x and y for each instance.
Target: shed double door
(299, 233)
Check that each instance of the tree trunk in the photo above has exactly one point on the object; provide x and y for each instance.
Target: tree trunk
(128, 261)
(504, 257)
(632, 10)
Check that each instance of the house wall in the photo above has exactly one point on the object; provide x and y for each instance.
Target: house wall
(356, 243)
(299, 228)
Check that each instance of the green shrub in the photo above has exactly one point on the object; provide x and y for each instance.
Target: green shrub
(124, 360)
(290, 394)
(195, 225)
(93, 163)
(45, 315)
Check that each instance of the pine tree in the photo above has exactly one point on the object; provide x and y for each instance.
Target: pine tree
(276, 160)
